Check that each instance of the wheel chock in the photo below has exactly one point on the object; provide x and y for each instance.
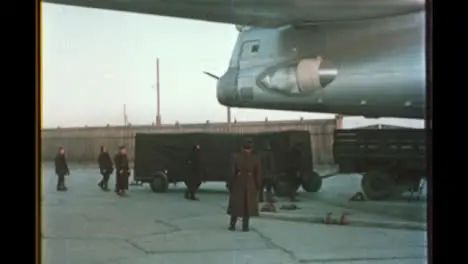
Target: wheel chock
(344, 219)
(358, 197)
(269, 207)
(289, 207)
(134, 183)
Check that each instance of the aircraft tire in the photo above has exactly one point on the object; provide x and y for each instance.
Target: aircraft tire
(160, 183)
(282, 188)
(312, 182)
(378, 185)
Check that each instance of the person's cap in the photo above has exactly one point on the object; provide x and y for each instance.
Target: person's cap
(121, 147)
(247, 144)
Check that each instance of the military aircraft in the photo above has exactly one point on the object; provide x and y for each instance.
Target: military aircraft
(351, 57)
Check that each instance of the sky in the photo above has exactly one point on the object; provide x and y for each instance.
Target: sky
(96, 61)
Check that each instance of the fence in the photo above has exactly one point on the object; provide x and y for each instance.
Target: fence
(83, 144)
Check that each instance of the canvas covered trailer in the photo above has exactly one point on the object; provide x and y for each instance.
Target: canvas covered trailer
(391, 160)
(161, 159)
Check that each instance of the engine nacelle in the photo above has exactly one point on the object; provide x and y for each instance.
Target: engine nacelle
(307, 76)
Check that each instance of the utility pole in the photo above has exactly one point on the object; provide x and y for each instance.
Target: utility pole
(122, 133)
(125, 115)
(339, 121)
(229, 118)
(158, 106)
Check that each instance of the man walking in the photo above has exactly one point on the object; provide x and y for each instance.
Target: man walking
(61, 169)
(105, 167)
(194, 178)
(243, 185)
(122, 171)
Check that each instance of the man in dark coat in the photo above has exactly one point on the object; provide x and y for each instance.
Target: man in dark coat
(61, 169)
(122, 171)
(105, 167)
(244, 184)
(194, 178)
(268, 173)
(294, 168)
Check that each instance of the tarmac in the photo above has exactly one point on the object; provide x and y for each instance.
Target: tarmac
(86, 225)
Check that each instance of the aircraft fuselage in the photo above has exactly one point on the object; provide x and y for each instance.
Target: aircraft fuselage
(374, 68)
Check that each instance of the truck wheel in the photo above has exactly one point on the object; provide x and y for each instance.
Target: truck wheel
(378, 185)
(283, 188)
(298, 185)
(312, 182)
(159, 182)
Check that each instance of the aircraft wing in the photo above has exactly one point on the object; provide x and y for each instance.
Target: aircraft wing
(260, 13)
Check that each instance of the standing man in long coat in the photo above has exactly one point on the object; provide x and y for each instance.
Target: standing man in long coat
(105, 167)
(244, 184)
(61, 169)
(194, 178)
(122, 171)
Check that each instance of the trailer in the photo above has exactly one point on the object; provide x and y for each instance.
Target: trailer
(161, 159)
(391, 160)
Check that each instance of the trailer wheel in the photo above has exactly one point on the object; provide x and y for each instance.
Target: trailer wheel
(283, 188)
(159, 183)
(312, 182)
(378, 185)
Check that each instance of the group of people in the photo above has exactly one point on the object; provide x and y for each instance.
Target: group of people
(253, 173)
(246, 182)
(292, 175)
(122, 170)
(106, 167)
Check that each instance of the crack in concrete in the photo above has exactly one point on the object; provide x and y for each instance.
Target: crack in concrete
(95, 219)
(272, 245)
(195, 251)
(267, 240)
(105, 238)
(174, 227)
(63, 202)
(86, 218)
(153, 234)
(110, 237)
(136, 246)
(152, 252)
(347, 260)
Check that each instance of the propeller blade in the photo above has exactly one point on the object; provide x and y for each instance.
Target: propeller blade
(211, 75)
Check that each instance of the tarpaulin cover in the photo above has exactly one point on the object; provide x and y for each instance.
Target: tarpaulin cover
(355, 149)
(160, 152)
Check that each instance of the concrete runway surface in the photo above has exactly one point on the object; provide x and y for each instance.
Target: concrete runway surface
(88, 226)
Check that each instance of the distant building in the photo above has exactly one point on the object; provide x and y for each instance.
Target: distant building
(381, 126)
(351, 122)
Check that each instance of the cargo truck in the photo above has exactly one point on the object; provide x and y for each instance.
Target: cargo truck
(161, 159)
(391, 161)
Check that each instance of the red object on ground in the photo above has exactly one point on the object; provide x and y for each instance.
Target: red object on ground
(344, 219)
